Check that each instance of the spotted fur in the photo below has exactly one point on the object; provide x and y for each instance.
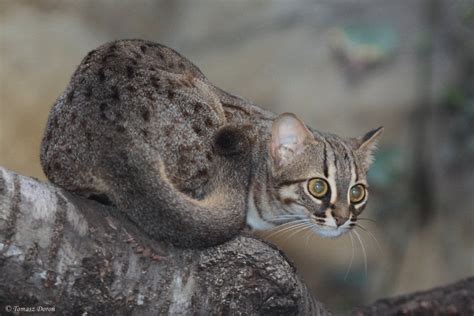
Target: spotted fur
(141, 127)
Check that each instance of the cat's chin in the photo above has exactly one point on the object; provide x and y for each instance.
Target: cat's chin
(329, 232)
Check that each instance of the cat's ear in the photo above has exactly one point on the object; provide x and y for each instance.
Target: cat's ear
(365, 146)
(289, 138)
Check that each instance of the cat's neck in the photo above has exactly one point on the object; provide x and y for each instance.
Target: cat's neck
(261, 202)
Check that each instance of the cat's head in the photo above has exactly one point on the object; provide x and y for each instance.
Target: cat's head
(319, 178)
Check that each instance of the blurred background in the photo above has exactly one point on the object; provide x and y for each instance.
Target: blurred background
(344, 66)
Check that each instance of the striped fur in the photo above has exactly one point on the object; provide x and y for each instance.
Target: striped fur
(282, 195)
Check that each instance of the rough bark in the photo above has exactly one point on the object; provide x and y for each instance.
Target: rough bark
(453, 299)
(61, 251)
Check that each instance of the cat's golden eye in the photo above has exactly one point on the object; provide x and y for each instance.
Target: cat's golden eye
(318, 187)
(357, 193)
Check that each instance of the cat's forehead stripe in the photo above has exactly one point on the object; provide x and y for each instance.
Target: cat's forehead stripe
(334, 156)
(332, 171)
(350, 156)
(325, 160)
(356, 168)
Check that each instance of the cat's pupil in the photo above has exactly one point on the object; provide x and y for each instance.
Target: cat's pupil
(319, 186)
(357, 193)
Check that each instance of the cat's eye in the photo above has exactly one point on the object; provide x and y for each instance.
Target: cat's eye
(318, 187)
(357, 193)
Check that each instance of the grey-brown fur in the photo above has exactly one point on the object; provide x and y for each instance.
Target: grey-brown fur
(138, 123)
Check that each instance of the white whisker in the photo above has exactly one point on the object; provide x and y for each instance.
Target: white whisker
(291, 222)
(363, 250)
(308, 225)
(287, 226)
(371, 235)
(284, 217)
(352, 256)
(284, 229)
(309, 233)
(295, 231)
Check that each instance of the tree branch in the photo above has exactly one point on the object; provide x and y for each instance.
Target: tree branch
(61, 251)
(65, 252)
(453, 299)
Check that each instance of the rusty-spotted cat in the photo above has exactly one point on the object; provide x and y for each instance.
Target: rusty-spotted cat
(190, 164)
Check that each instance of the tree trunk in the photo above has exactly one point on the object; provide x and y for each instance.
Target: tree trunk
(65, 253)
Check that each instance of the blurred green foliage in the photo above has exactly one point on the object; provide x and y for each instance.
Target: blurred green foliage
(387, 168)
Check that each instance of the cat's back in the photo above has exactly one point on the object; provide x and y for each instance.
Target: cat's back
(134, 91)
(128, 75)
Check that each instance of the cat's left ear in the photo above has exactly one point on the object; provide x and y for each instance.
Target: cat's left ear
(290, 136)
(365, 146)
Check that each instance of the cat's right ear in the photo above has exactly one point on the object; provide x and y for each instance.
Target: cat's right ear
(289, 138)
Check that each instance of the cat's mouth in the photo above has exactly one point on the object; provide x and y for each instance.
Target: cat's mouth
(328, 231)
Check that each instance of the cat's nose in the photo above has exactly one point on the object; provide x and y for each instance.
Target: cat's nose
(340, 220)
